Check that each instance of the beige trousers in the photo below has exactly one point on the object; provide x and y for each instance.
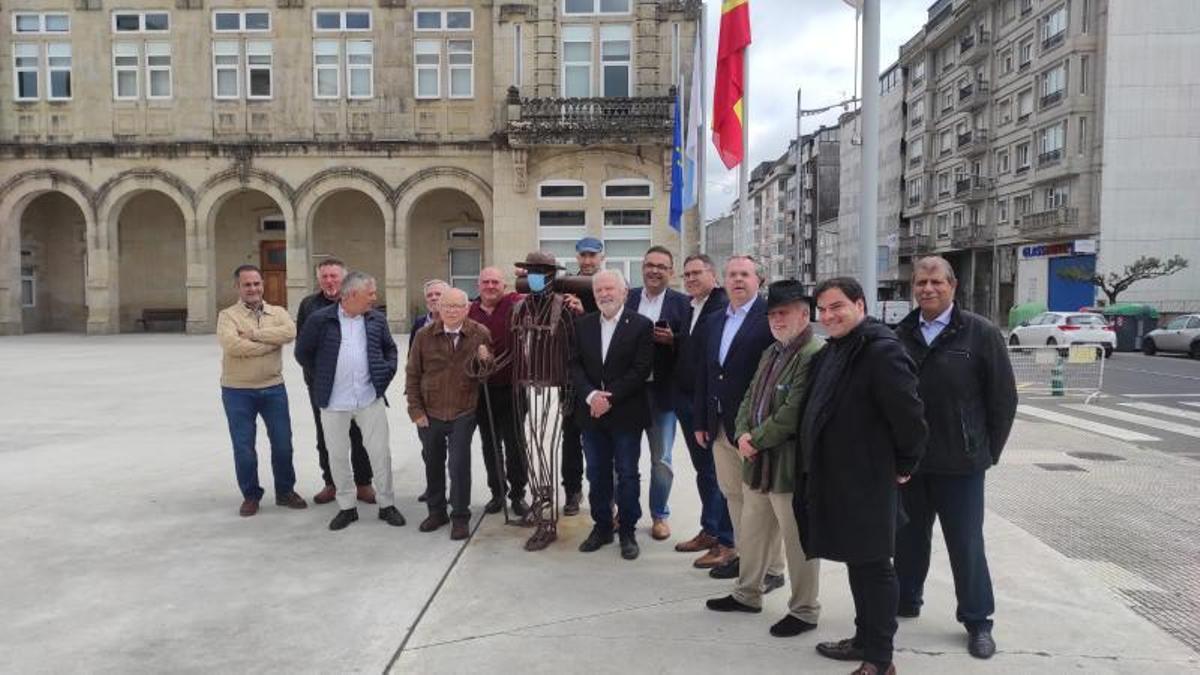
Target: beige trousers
(729, 480)
(766, 516)
(372, 421)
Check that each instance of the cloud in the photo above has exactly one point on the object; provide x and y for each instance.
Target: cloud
(807, 44)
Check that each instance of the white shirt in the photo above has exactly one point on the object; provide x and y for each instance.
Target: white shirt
(697, 307)
(733, 321)
(931, 329)
(607, 328)
(651, 308)
(352, 388)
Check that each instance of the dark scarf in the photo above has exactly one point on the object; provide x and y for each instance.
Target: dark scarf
(830, 370)
(760, 402)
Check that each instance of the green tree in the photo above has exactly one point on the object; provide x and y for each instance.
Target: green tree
(1115, 283)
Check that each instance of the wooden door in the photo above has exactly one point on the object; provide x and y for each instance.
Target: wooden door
(273, 261)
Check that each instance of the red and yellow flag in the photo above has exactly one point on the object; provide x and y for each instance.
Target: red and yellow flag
(729, 89)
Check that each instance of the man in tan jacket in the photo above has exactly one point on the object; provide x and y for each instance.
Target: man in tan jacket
(441, 402)
(252, 334)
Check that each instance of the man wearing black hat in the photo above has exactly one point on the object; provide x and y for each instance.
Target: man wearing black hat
(766, 437)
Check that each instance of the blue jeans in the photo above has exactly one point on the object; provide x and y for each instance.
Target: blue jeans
(661, 436)
(242, 408)
(714, 512)
(957, 502)
(607, 451)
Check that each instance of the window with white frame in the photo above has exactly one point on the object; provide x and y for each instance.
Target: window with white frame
(1006, 61)
(259, 69)
(947, 99)
(946, 57)
(1002, 165)
(946, 142)
(341, 20)
(1083, 136)
(465, 264)
(957, 219)
(943, 184)
(1022, 159)
(943, 226)
(1084, 62)
(915, 191)
(28, 280)
(1002, 210)
(427, 59)
(1004, 111)
(226, 69)
(916, 111)
(1024, 104)
(250, 21)
(27, 62)
(584, 7)
(359, 66)
(918, 72)
(616, 60)
(1051, 139)
(443, 20)
(562, 189)
(158, 70)
(577, 61)
(626, 238)
(1054, 25)
(916, 149)
(327, 69)
(1021, 204)
(460, 62)
(1055, 196)
(1054, 81)
(1024, 53)
(141, 22)
(627, 188)
(30, 23)
(558, 230)
(58, 71)
(126, 64)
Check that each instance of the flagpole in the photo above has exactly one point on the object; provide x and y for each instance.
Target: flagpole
(678, 48)
(744, 165)
(869, 201)
(701, 145)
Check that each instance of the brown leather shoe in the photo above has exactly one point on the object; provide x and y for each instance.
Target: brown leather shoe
(700, 542)
(716, 557)
(291, 500)
(326, 495)
(460, 529)
(660, 529)
(249, 508)
(366, 494)
(433, 522)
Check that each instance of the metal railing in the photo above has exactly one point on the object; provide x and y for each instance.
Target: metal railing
(1074, 371)
(583, 121)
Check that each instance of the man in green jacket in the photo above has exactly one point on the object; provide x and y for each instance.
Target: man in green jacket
(766, 433)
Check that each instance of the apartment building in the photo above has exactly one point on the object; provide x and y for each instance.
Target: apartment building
(151, 146)
(1002, 155)
(820, 175)
(718, 241)
(772, 237)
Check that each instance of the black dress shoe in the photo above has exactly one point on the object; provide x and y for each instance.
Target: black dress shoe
(771, 582)
(494, 505)
(729, 570)
(392, 516)
(841, 650)
(730, 604)
(629, 547)
(595, 540)
(571, 508)
(980, 643)
(519, 508)
(343, 518)
(790, 626)
(908, 611)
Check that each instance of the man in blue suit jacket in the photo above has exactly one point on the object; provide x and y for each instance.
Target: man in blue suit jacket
(732, 346)
(668, 310)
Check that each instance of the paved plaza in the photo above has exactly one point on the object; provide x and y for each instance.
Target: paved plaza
(123, 553)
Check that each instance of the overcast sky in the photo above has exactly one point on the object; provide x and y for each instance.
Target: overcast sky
(805, 44)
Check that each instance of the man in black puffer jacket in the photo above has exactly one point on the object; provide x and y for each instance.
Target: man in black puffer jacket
(970, 400)
(353, 358)
(861, 432)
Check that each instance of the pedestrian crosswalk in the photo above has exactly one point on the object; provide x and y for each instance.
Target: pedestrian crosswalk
(1174, 423)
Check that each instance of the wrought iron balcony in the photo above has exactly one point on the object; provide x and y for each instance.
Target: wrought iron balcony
(1051, 223)
(1051, 99)
(972, 189)
(971, 234)
(908, 244)
(1054, 40)
(975, 47)
(973, 96)
(588, 121)
(1050, 158)
(973, 142)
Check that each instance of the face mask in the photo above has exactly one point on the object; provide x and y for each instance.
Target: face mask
(537, 282)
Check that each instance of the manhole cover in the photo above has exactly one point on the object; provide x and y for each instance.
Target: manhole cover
(1060, 467)
(1096, 456)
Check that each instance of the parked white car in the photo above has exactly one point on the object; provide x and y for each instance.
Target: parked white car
(1182, 335)
(1065, 328)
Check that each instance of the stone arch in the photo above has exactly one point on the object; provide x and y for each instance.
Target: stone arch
(212, 196)
(407, 196)
(16, 194)
(314, 191)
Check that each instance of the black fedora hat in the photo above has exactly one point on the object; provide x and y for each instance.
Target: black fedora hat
(786, 292)
(540, 260)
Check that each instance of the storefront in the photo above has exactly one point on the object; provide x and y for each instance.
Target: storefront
(1040, 269)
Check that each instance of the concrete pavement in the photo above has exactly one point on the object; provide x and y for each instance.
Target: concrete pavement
(123, 553)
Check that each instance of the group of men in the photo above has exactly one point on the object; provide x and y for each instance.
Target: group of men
(845, 448)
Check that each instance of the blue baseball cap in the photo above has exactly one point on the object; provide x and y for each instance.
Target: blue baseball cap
(589, 245)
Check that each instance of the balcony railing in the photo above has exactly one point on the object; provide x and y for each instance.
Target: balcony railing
(966, 44)
(1054, 40)
(973, 142)
(972, 188)
(971, 234)
(974, 95)
(908, 244)
(1053, 98)
(1048, 223)
(588, 121)
(1050, 158)
(978, 50)
(915, 161)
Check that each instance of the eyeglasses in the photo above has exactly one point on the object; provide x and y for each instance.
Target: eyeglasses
(655, 266)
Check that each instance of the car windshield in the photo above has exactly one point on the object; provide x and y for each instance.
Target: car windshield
(1086, 320)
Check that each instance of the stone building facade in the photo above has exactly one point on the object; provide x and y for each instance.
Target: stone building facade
(149, 147)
